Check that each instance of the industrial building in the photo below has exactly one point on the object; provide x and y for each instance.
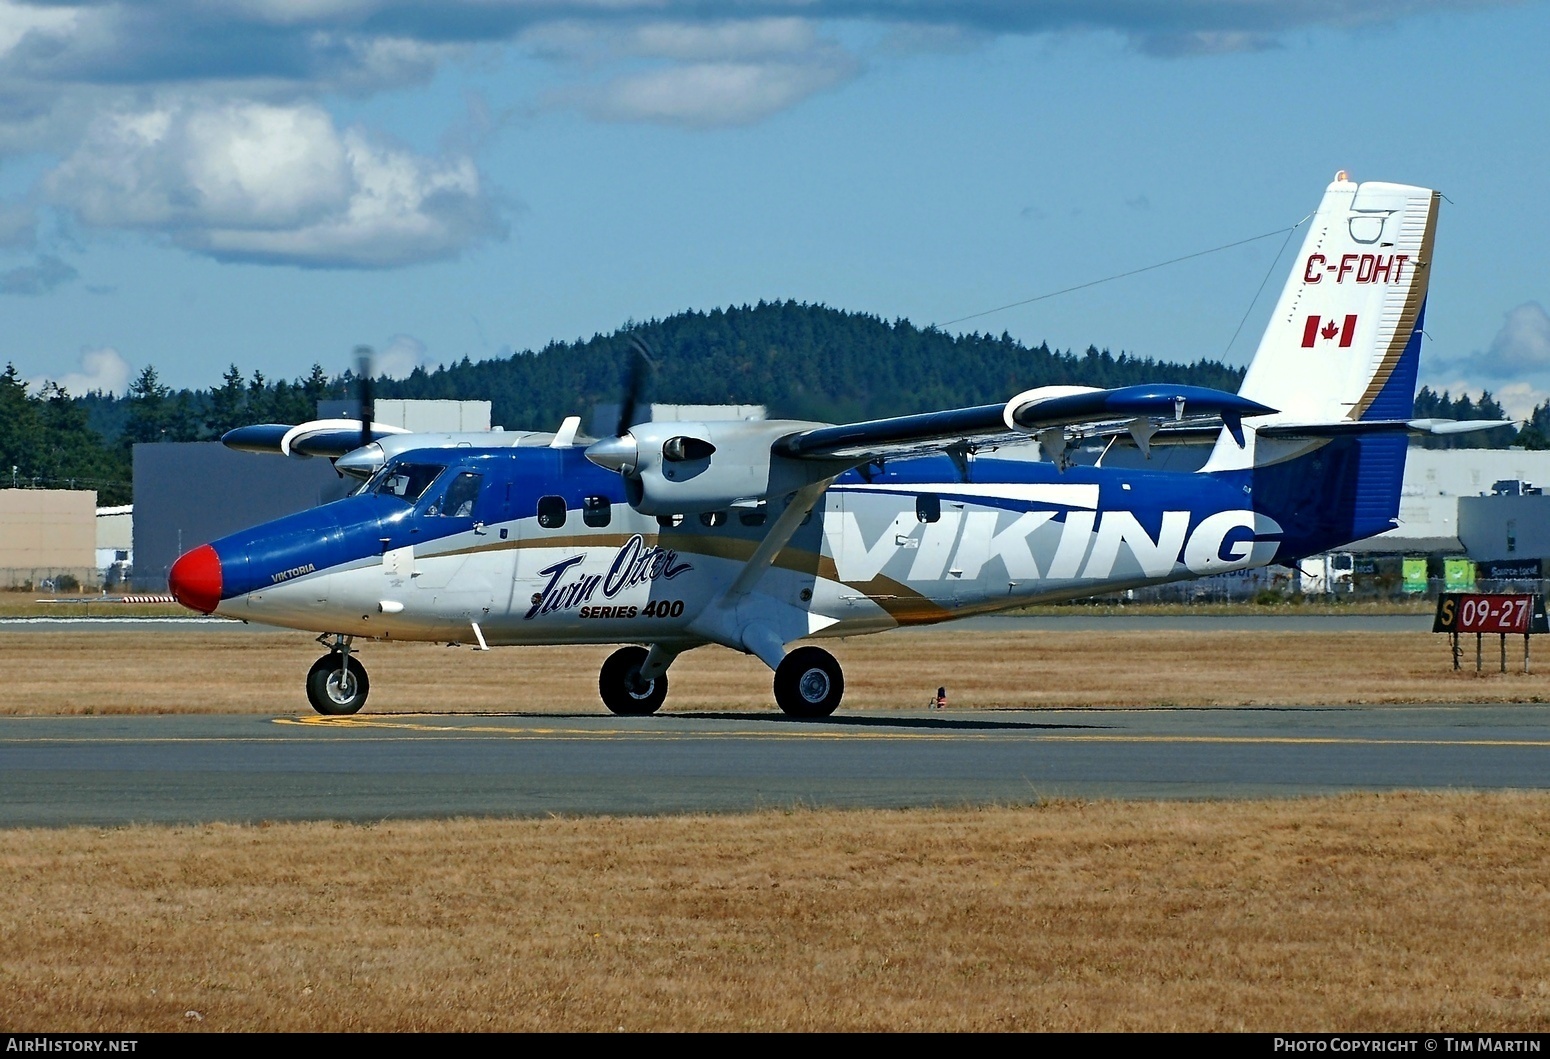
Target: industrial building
(190, 493)
(48, 539)
(1441, 484)
(115, 544)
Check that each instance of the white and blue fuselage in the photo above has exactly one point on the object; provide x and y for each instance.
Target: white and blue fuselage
(548, 551)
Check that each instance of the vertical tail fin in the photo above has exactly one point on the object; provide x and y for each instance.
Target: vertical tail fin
(1344, 341)
(1341, 350)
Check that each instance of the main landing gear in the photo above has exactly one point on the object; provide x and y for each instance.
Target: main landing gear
(808, 683)
(337, 684)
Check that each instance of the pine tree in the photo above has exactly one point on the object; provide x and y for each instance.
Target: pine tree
(20, 431)
(228, 403)
(150, 411)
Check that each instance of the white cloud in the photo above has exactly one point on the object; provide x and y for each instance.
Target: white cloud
(399, 358)
(1520, 398)
(1522, 346)
(698, 74)
(306, 47)
(1515, 367)
(18, 21)
(277, 184)
(236, 160)
(101, 369)
(710, 94)
(677, 40)
(691, 42)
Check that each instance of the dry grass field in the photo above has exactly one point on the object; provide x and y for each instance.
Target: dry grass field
(262, 672)
(1392, 912)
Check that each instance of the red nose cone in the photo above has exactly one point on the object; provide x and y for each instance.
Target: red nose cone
(195, 579)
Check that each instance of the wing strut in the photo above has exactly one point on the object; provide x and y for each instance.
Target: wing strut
(755, 630)
(777, 538)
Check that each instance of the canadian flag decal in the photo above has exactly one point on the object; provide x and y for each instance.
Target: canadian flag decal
(1322, 329)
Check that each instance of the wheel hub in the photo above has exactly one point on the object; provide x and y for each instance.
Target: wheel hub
(341, 688)
(814, 685)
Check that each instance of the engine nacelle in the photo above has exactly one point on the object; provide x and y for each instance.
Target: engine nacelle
(686, 468)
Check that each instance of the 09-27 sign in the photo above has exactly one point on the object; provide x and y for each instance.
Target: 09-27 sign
(1490, 612)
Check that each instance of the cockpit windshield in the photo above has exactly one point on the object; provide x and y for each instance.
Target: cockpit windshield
(406, 481)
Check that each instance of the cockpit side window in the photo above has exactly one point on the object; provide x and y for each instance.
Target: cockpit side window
(405, 481)
(462, 491)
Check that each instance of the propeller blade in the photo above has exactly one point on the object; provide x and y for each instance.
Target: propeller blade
(641, 363)
(364, 380)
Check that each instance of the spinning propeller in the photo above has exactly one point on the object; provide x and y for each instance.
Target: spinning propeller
(364, 382)
(620, 452)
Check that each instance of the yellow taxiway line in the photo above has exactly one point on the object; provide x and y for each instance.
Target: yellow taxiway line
(514, 732)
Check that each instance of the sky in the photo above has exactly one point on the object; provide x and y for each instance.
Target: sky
(189, 184)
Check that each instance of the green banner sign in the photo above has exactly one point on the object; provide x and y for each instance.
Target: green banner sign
(1458, 575)
(1415, 575)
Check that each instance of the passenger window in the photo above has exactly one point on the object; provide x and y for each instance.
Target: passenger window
(596, 511)
(928, 507)
(755, 517)
(712, 519)
(551, 512)
(670, 521)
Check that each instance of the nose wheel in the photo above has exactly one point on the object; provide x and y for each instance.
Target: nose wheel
(809, 683)
(337, 684)
(623, 690)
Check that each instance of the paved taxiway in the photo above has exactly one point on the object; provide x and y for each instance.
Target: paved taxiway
(112, 770)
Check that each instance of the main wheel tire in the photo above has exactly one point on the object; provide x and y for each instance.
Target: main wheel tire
(809, 683)
(618, 684)
(332, 696)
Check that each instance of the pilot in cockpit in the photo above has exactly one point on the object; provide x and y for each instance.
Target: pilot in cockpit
(461, 494)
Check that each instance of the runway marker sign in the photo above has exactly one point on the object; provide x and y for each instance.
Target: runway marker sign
(1519, 614)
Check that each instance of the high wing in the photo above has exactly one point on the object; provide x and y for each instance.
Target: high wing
(1140, 410)
(321, 437)
(339, 440)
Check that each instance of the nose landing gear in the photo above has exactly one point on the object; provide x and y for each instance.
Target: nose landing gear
(337, 684)
(623, 689)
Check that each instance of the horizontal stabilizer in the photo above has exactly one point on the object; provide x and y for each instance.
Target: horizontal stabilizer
(1347, 427)
(1457, 426)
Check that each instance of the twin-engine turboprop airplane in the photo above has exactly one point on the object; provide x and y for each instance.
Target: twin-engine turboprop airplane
(754, 535)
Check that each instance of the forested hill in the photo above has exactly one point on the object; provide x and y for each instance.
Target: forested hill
(802, 361)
